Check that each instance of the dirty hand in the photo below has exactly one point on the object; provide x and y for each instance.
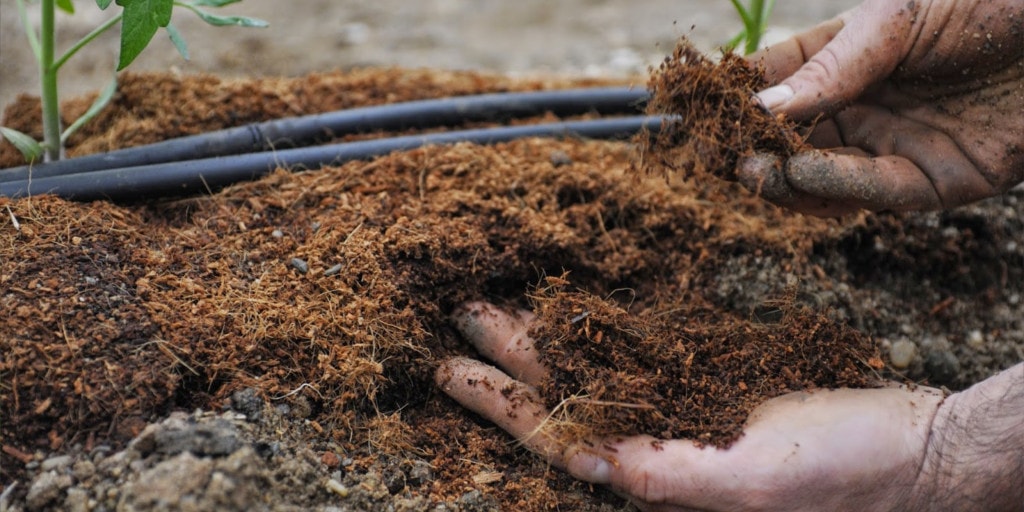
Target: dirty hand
(827, 450)
(918, 105)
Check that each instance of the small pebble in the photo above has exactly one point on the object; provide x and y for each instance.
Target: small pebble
(91, 280)
(337, 488)
(942, 366)
(56, 463)
(559, 158)
(277, 233)
(76, 500)
(248, 402)
(300, 265)
(420, 473)
(902, 353)
(330, 459)
(46, 488)
(100, 451)
(394, 481)
(83, 470)
(935, 342)
(975, 339)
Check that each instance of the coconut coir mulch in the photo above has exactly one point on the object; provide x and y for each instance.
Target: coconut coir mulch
(329, 291)
(714, 119)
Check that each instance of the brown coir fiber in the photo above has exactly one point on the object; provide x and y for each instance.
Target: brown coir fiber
(716, 120)
(114, 315)
(683, 370)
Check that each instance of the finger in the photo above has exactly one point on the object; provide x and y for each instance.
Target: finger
(764, 174)
(644, 470)
(503, 338)
(853, 181)
(516, 408)
(666, 475)
(783, 59)
(865, 50)
(934, 153)
(830, 183)
(489, 392)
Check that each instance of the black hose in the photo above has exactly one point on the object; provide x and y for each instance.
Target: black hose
(199, 176)
(305, 130)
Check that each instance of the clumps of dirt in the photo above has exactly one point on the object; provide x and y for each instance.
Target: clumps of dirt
(80, 348)
(685, 371)
(232, 461)
(714, 119)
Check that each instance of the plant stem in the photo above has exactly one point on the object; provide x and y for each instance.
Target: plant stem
(86, 40)
(48, 79)
(755, 31)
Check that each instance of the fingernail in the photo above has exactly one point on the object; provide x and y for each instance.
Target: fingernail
(774, 97)
(467, 321)
(592, 468)
(602, 471)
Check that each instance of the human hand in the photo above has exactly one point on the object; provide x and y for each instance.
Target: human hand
(918, 105)
(826, 450)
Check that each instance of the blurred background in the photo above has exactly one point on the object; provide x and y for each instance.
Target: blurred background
(521, 37)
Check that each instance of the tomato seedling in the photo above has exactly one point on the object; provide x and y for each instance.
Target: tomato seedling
(139, 19)
(755, 20)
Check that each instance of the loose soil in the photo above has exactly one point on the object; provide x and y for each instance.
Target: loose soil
(271, 345)
(713, 118)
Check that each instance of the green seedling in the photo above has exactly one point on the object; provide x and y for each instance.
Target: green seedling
(139, 19)
(755, 20)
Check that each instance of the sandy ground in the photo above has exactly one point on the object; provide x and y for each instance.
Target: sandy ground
(595, 37)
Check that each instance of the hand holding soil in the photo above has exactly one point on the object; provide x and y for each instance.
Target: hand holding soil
(915, 105)
(877, 449)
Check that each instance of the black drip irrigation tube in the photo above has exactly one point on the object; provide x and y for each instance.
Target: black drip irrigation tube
(205, 162)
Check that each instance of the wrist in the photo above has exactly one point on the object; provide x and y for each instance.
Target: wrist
(974, 455)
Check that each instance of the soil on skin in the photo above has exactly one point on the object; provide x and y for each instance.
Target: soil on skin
(271, 345)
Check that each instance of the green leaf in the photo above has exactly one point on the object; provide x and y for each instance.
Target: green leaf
(765, 13)
(103, 4)
(66, 6)
(101, 101)
(30, 148)
(735, 41)
(179, 42)
(748, 21)
(222, 21)
(141, 20)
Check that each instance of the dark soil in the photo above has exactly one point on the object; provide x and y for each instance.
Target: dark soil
(316, 379)
(684, 369)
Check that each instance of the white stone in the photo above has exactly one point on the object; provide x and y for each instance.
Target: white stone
(902, 353)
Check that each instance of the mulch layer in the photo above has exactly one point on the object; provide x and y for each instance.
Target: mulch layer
(326, 293)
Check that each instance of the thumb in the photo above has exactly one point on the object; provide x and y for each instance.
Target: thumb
(863, 52)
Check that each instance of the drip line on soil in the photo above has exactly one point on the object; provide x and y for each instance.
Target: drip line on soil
(306, 130)
(203, 175)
